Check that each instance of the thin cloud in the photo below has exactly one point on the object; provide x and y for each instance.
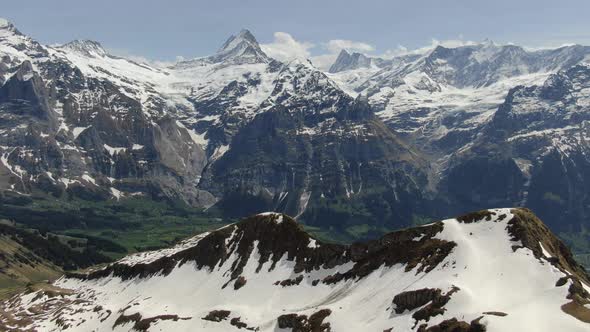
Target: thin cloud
(284, 48)
(141, 59)
(402, 50)
(337, 45)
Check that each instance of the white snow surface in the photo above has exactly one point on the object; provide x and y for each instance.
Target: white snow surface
(4, 22)
(490, 276)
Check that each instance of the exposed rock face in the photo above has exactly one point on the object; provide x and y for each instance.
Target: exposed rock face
(253, 134)
(534, 151)
(301, 323)
(217, 315)
(414, 299)
(366, 286)
(307, 157)
(454, 325)
(347, 61)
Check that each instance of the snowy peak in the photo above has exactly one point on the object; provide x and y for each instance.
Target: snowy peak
(7, 27)
(245, 36)
(241, 48)
(341, 62)
(273, 235)
(266, 274)
(347, 61)
(88, 48)
(25, 72)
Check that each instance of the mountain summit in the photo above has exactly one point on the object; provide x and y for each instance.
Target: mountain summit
(241, 48)
(89, 48)
(492, 270)
(347, 61)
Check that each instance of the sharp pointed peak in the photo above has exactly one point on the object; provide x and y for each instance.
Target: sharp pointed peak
(235, 40)
(343, 52)
(240, 48)
(347, 60)
(245, 33)
(488, 42)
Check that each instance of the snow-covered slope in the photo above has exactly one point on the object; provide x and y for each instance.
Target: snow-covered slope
(103, 126)
(76, 121)
(443, 96)
(534, 150)
(494, 270)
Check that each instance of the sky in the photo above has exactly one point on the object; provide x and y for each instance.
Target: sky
(172, 29)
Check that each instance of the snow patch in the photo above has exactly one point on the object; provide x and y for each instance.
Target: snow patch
(116, 193)
(78, 130)
(114, 150)
(90, 179)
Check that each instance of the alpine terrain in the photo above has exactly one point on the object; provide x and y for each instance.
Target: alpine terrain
(493, 270)
(377, 142)
(163, 175)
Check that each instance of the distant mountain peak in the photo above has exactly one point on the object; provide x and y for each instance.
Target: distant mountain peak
(241, 48)
(244, 36)
(348, 61)
(86, 47)
(488, 42)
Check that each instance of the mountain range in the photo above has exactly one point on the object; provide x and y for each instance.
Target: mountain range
(99, 154)
(371, 145)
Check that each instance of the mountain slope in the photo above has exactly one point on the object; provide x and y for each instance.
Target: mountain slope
(245, 133)
(28, 256)
(534, 151)
(317, 154)
(265, 273)
(442, 97)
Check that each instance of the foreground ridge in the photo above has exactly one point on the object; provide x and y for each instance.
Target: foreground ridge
(492, 270)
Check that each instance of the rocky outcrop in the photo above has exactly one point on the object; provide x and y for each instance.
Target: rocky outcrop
(301, 323)
(333, 287)
(314, 156)
(454, 325)
(217, 315)
(533, 153)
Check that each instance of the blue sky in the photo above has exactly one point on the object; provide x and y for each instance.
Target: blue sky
(163, 30)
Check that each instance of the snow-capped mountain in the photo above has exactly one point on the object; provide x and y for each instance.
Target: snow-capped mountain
(100, 125)
(443, 96)
(534, 150)
(105, 126)
(518, 116)
(493, 270)
(346, 61)
(379, 142)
